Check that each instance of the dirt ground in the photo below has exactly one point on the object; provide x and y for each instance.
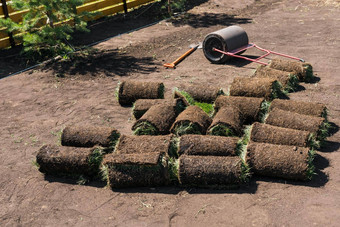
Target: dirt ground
(36, 105)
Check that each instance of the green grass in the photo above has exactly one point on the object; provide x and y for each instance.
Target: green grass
(145, 128)
(277, 91)
(161, 91)
(187, 97)
(309, 72)
(311, 168)
(173, 149)
(206, 107)
(35, 164)
(312, 142)
(96, 158)
(187, 127)
(292, 84)
(246, 135)
(245, 172)
(222, 130)
(114, 137)
(173, 167)
(324, 114)
(323, 131)
(264, 109)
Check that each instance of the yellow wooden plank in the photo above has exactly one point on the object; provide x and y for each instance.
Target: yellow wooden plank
(3, 33)
(9, 8)
(136, 3)
(97, 5)
(4, 43)
(17, 16)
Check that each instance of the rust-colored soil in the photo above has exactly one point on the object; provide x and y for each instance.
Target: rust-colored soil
(35, 106)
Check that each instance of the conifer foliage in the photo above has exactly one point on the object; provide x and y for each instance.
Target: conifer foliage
(47, 26)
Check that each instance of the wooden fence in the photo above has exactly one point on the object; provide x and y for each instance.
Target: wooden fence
(104, 7)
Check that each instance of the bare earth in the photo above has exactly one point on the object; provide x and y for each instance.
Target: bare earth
(35, 106)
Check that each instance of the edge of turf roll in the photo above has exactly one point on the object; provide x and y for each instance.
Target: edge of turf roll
(145, 128)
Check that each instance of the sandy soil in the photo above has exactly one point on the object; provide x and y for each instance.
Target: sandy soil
(35, 106)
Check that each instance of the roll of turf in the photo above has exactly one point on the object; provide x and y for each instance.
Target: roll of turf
(156, 121)
(143, 105)
(69, 161)
(250, 107)
(212, 171)
(202, 93)
(256, 87)
(265, 133)
(145, 144)
(208, 145)
(286, 119)
(193, 120)
(307, 108)
(89, 135)
(303, 70)
(227, 122)
(288, 80)
(289, 162)
(129, 91)
(136, 170)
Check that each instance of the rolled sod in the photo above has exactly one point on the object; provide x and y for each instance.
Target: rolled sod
(250, 107)
(143, 105)
(157, 120)
(303, 70)
(265, 133)
(69, 161)
(89, 135)
(208, 145)
(256, 87)
(289, 162)
(286, 119)
(129, 91)
(136, 170)
(288, 80)
(145, 144)
(212, 171)
(227, 122)
(202, 93)
(193, 120)
(307, 108)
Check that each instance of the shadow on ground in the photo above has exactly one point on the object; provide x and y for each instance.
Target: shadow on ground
(108, 63)
(208, 20)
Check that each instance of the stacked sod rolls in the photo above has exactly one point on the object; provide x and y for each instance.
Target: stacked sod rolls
(212, 171)
(227, 122)
(136, 170)
(267, 88)
(146, 144)
(143, 105)
(301, 107)
(303, 70)
(288, 80)
(202, 93)
(69, 161)
(192, 120)
(286, 119)
(130, 90)
(264, 133)
(89, 135)
(208, 145)
(250, 107)
(289, 162)
(157, 120)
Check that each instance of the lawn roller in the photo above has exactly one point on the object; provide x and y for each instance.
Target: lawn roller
(221, 45)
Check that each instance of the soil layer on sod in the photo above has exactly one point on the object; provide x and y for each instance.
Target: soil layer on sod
(287, 119)
(265, 133)
(68, 161)
(289, 162)
(202, 93)
(211, 171)
(227, 122)
(303, 70)
(288, 80)
(193, 120)
(143, 144)
(89, 135)
(143, 105)
(129, 91)
(249, 106)
(255, 87)
(157, 120)
(208, 145)
(136, 170)
(307, 108)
